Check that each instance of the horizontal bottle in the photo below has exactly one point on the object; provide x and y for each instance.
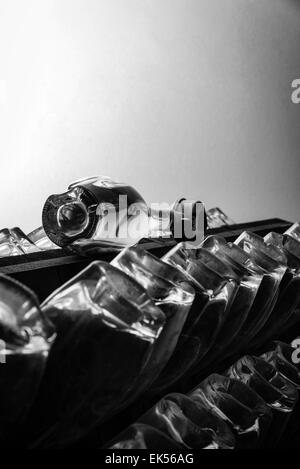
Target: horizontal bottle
(98, 209)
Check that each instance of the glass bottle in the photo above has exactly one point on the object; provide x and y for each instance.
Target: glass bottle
(238, 309)
(107, 327)
(90, 207)
(243, 310)
(266, 295)
(169, 290)
(189, 423)
(100, 209)
(270, 258)
(239, 406)
(25, 340)
(214, 296)
(245, 292)
(257, 282)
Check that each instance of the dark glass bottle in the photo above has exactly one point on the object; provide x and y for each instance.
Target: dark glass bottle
(214, 296)
(107, 327)
(265, 297)
(256, 282)
(246, 290)
(169, 290)
(274, 261)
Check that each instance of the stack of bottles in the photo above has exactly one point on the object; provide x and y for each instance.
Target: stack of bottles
(250, 405)
(140, 326)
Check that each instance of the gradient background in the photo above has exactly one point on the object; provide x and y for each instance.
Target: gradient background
(177, 97)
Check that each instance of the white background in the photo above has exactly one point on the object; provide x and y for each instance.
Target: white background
(177, 97)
